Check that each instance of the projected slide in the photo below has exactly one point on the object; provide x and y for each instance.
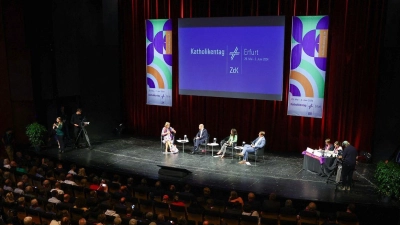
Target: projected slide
(232, 57)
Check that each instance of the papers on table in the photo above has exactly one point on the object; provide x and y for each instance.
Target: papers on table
(321, 153)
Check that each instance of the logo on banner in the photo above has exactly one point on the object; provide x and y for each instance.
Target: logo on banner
(234, 53)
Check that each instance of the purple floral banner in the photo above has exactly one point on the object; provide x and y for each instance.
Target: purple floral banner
(308, 66)
(159, 62)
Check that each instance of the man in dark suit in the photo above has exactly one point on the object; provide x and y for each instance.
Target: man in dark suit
(328, 145)
(349, 159)
(200, 138)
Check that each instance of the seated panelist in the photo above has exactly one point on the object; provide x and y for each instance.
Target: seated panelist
(200, 138)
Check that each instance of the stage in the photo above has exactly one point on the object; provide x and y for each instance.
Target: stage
(279, 173)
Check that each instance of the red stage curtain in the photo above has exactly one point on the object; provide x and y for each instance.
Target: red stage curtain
(355, 38)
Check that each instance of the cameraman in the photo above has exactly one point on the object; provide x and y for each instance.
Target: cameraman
(349, 159)
(76, 120)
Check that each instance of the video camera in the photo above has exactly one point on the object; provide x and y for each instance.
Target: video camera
(84, 122)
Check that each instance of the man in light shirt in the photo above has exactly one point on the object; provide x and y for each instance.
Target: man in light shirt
(258, 143)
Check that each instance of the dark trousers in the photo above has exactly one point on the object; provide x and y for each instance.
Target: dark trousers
(60, 139)
(197, 142)
(76, 132)
(347, 174)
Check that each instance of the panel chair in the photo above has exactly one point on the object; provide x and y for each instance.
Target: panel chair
(203, 144)
(232, 147)
(257, 154)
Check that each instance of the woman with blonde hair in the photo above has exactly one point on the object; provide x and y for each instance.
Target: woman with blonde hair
(168, 134)
(58, 126)
(9, 198)
(81, 172)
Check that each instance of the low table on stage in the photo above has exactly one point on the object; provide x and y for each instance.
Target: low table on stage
(315, 163)
(239, 150)
(183, 142)
(212, 147)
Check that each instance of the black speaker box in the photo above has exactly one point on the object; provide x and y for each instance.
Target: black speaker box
(173, 171)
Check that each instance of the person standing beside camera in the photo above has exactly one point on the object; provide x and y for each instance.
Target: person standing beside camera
(58, 127)
(349, 158)
(76, 120)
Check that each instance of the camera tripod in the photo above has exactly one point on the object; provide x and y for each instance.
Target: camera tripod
(83, 130)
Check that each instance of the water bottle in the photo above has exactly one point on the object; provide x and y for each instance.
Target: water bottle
(185, 137)
(215, 140)
(243, 143)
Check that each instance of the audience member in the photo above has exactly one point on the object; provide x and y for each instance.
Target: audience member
(28, 220)
(82, 221)
(57, 187)
(66, 203)
(70, 180)
(29, 192)
(177, 202)
(54, 197)
(25, 180)
(248, 211)
(21, 202)
(81, 172)
(8, 185)
(35, 205)
(233, 198)
(92, 201)
(271, 205)
(132, 222)
(6, 164)
(40, 173)
(309, 211)
(50, 175)
(72, 170)
(251, 200)
(20, 188)
(103, 186)
(165, 199)
(206, 195)
(50, 209)
(161, 219)
(80, 203)
(348, 216)
(59, 168)
(95, 184)
(9, 198)
(288, 208)
(117, 221)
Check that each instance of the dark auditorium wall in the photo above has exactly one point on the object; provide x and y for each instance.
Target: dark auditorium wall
(387, 132)
(17, 106)
(87, 57)
(355, 43)
(57, 52)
